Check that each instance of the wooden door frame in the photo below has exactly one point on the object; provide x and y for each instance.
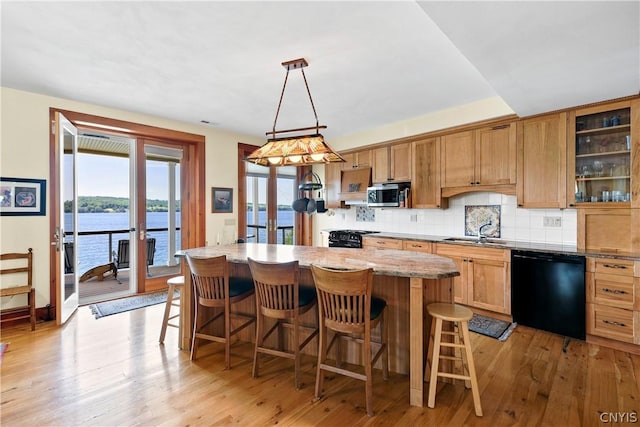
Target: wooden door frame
(192, 176)
(303, 225)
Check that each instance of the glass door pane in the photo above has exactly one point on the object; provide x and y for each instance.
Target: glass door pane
(603, 157)
(67, 228)
(162, 195)
(287, 192)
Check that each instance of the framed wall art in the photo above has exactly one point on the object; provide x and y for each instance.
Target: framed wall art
(22, 196)
(221, 200)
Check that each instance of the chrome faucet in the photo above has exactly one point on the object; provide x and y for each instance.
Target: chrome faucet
(482, 237)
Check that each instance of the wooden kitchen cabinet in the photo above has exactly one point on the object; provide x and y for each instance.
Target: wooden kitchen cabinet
(391, 163)
(542, 162)
(425, 180)
(604, 156)
(357, 159)
(381, 243)
(418, 246)
(609, 230)
(485, 276)
(613, 299)
(332, 185)
(479, 160)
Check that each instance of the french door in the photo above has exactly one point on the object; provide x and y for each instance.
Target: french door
(265, 196)
(166, 204)
(66, 143)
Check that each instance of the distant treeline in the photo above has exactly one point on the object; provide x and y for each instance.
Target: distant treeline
(100, 204)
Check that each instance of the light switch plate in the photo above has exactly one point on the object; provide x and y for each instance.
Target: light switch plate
(552, 221)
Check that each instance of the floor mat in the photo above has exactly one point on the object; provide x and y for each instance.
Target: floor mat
(495, 328)
(108, 308)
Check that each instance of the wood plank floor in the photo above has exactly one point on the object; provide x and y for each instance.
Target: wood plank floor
(112, 371)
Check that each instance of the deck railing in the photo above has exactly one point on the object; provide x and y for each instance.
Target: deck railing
(286, 237)
(110, 233)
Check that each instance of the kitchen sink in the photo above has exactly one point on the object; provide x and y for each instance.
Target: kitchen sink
(475, 241)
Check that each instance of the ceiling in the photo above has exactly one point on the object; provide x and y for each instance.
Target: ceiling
(370, 63)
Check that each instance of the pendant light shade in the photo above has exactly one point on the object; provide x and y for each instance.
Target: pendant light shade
(303, 146)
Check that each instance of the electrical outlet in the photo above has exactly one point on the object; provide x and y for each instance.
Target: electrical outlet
(413, 218)
(552, 221)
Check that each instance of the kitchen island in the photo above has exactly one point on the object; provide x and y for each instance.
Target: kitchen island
(406, 280)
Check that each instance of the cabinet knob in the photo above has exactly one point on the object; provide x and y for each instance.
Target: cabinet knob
(477, 182)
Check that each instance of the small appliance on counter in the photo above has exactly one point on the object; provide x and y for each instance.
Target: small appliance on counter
(347, 238)
(393, 195)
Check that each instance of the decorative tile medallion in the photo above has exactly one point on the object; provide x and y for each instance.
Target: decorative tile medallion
(365, 214)
(476, 216)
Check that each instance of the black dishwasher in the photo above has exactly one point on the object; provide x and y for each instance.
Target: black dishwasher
(548, 292)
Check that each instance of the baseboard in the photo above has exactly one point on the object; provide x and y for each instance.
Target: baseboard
(616, 345)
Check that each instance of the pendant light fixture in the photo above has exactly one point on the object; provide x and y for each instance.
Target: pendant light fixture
(299, 147)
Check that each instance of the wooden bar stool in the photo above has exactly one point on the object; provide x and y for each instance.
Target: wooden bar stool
(347, 308)
(459, 340)
(174, 284)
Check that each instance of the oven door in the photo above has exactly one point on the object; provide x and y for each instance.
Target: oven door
(383, 197)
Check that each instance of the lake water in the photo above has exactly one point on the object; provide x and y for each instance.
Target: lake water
(94, 250)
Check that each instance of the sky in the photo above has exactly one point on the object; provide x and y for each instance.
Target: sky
(109, 176)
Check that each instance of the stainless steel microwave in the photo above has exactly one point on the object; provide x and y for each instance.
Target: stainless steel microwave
(388, 195)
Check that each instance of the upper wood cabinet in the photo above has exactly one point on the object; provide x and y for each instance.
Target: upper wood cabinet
(357, 159)
(391, 163)
(604, 156)
(542, 162)
(425, 180)
(482, 159)
(332, 185)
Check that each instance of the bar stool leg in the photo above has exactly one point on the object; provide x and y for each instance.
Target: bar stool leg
(167, 312)
(435, 361)
(472, 369)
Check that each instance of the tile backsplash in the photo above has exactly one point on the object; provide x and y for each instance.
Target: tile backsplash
(558, 226)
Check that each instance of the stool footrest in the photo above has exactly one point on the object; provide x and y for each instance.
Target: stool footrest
(451, 344)
(454, 376)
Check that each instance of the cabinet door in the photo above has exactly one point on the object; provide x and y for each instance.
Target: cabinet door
(495, 157)
(358, 159)
(460, 285)
(332, 175)
(490, 285)
(609, 230)
(425, 182)
(380, 172)
(542, 162)
(400, 162)
(458, 160)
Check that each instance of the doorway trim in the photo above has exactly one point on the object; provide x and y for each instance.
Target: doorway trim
(192, 192)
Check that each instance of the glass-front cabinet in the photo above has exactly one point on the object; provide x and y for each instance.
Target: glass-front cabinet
(603, 157)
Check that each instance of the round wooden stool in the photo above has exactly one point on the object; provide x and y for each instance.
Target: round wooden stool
(174, 284)
(457, 340)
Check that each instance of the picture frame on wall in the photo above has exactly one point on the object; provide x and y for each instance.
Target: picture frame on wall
(221, 200)
(22, 196)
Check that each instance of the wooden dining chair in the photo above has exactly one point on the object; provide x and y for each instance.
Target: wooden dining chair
(213, 288)
(16, 270)
(279, 296)
(348, 309)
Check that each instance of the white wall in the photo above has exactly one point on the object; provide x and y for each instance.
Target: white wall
(24, 153)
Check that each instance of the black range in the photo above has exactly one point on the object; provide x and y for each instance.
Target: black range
(347, 238)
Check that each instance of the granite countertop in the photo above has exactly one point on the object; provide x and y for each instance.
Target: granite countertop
(387, 262)
(509, 244)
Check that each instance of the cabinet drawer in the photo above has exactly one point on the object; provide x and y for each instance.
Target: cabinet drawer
(464, 251)
(621, 267)
(610, 322)
(381, 243)
(412, 245)
(614, 290)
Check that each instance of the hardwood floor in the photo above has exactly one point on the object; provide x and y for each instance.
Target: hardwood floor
(112, 371)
